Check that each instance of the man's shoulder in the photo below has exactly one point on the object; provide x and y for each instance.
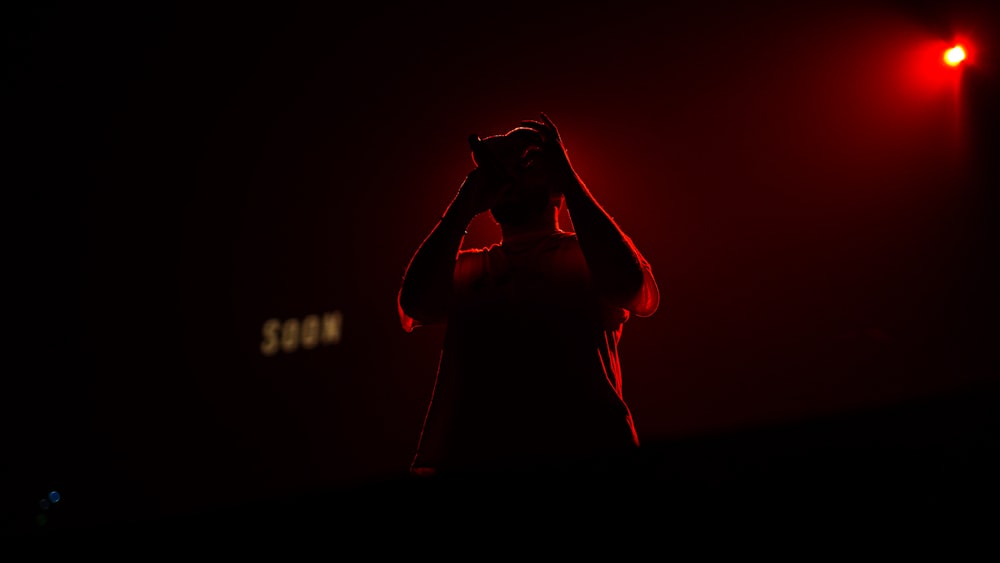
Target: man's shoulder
(566, 241)
(478, 251)
(472, 260)
(567, 237)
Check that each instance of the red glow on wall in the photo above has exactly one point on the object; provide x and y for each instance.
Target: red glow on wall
(954, 56)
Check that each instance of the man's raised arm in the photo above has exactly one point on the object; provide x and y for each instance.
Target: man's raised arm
(428, 283)
(620, 271)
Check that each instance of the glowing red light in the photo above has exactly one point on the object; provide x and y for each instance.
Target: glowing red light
(954, 56)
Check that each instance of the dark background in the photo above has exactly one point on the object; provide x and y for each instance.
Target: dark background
(815, 191)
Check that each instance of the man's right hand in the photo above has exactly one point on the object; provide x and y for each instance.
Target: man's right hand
(479, 191)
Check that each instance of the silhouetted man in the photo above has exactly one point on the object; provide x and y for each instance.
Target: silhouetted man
(529, 374)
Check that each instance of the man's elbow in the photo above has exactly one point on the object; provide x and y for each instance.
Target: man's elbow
(645, 303)
(638, 293)
(627, 286)
(421, 310)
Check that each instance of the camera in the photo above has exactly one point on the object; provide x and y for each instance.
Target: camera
(504, 155)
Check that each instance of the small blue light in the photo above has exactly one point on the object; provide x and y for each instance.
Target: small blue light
(54, 496)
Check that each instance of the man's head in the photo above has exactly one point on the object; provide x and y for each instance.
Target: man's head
(516, 158)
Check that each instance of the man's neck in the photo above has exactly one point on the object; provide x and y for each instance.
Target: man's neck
(545, 224)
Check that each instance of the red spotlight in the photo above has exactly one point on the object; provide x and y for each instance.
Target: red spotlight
(954, 56)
